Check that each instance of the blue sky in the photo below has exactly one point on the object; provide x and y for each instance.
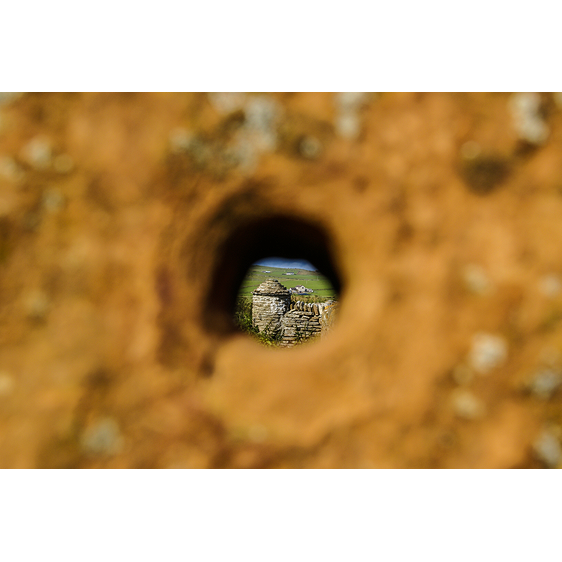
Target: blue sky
(288, 264)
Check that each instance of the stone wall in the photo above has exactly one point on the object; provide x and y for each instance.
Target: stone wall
(293, 321)
(270, 301)
(268, 312)
(305, 320)
(275, 314)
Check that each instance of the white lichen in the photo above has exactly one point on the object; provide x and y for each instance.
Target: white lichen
(476, 280)
(348, 125)
(38, 153)
(527, 118)
(545, 383)
(262, 115)
(351, 101)
(348, 107)
(466, 405)
(258, 133)
(102, 438)
(180, 140)
(227, 102)
(487, 352)
(547, 448)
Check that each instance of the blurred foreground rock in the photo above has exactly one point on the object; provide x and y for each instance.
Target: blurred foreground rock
(442, 216)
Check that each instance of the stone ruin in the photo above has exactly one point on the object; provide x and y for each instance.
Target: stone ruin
(273, 312)
(270, 302)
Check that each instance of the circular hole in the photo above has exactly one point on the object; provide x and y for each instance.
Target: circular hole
(257, 239)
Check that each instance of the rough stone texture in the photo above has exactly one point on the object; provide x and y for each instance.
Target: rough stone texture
(270, 301)
(111, 309)
(303, 321)
(273, 312)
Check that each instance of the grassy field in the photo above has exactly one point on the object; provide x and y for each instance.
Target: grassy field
(310, 279)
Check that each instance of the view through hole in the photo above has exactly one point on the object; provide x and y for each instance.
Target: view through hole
(285, 302)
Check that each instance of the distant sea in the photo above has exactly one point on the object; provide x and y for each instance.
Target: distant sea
(287, 264)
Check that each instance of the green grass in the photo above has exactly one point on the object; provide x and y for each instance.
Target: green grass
(243, 318)
(310, 279)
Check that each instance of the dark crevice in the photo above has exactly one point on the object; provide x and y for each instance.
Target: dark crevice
(256, 239)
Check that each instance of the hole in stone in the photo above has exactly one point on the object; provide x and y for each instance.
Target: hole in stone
(269, 248)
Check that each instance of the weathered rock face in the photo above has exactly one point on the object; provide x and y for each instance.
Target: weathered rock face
(304, 321)
(270, 302)
(299, 326)
(128, 221)
(274, 313)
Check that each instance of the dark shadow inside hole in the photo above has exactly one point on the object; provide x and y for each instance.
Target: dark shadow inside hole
(288, 237)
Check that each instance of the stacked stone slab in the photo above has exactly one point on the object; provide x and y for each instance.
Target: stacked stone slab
(301, 322)
(305, 320)
(274, 313)
(270, 302)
